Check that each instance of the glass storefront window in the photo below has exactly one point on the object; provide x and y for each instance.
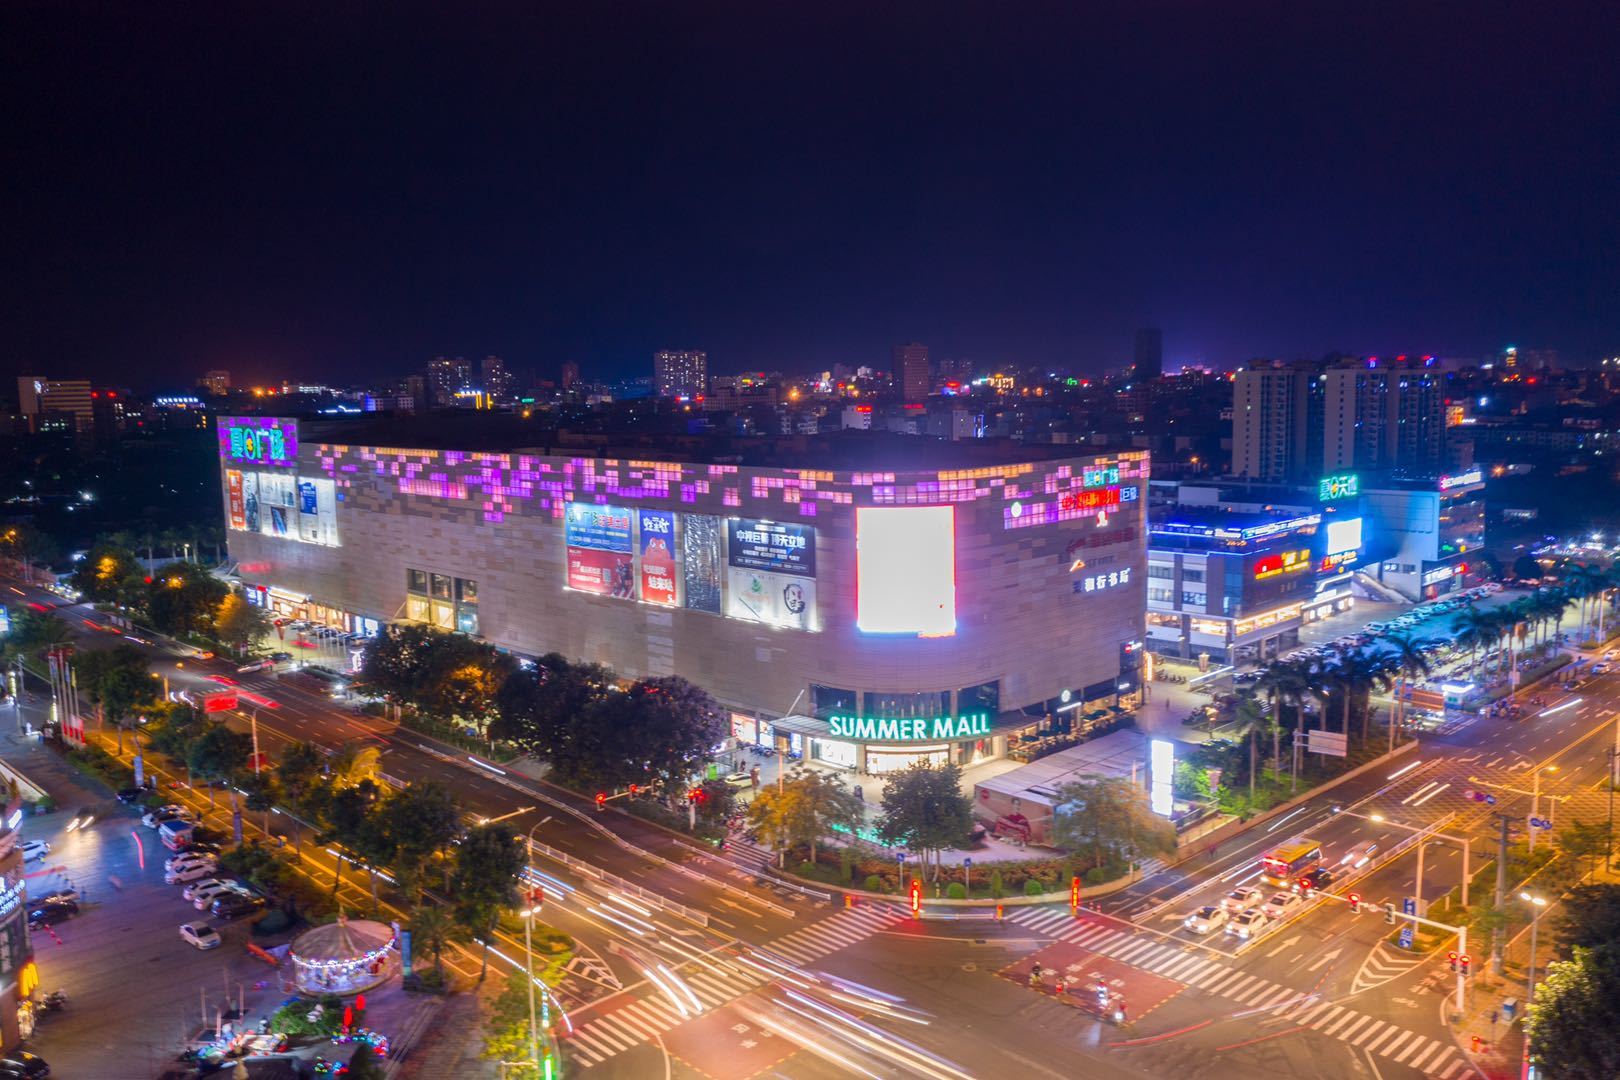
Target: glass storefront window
(983, 698)
(440, 586)
(827, 700)
(467, 620)
(881, 761)
(416, 581)
(833, 752)
(924, 703)
(418, 609)
(466, 591)
(444, 615)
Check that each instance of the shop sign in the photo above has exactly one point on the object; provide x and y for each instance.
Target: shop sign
(1100, 476)
(772, 546)
(1334, 488)
(1100, 499)
(1097, 582)
(11, 895)
(1284, 562)
(907, 729)
(259, 440)
(1472, 476)
(1444, 573)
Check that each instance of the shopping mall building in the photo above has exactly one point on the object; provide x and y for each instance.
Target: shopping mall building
(864, 599)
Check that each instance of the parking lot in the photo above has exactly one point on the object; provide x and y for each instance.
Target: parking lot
(135, 989)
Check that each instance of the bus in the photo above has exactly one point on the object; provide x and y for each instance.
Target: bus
(1287, 862)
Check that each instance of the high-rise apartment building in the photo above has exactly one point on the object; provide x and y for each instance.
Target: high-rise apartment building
(1149, 363)
(680, 373)
(497, 381)
(910, 367)
(215, 383)
(55, 404)
(1276, 422)
(1384, 419)
(446, 378)
(569, 376)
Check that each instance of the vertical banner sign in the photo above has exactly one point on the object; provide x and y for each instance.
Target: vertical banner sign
(278, 503)
(233, 486)
(598, 545)
(657, 556)
(700, 562)
(250, 501)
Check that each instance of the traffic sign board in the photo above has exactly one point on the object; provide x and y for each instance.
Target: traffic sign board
(1406, 936)
(1409, 905)
(1490, 800)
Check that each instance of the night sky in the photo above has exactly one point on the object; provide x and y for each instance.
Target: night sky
(282, 191)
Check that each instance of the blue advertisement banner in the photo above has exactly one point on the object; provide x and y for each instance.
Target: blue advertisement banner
(771, 546)
(599, 528)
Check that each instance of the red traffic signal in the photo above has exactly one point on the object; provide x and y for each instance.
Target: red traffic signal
(1452, 957)
(601, 800)
(1463, 960)
(1074, 893)
(1355, 903)
(916, 898)
(635, 789)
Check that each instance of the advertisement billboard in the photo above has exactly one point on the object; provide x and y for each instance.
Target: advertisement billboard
(258, 440)
(599, 550)
(905, 570)
(317, 511)
(783, 600)
(250, 501)
(657, 556)
(278, 504)
(233, 490)
(1343, 536)
(771, 546)
(700, 562)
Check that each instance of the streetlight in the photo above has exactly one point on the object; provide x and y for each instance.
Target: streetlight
(1537, 904)
(528, 914)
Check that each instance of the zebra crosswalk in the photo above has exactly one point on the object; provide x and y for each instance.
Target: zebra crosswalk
(1250, 992)
(747, 854)
(716, 983)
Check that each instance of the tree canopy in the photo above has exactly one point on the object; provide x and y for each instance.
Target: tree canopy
(1574, 1022)
(1109, 817)
(925, 809)
(805, 809)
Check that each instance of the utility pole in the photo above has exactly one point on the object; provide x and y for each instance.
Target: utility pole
(1501, 889)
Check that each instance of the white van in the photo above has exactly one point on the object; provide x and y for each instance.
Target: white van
(176, 834)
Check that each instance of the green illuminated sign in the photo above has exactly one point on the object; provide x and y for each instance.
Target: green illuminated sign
(909, 729)
(1334, 488)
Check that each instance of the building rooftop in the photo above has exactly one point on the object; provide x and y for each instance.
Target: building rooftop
(842, 450)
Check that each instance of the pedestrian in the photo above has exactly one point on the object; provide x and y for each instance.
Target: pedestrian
(859, 794)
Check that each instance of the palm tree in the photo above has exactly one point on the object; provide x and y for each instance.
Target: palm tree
(354, 762)
(1284, 682)
(1249, 720)
(435, 930)
(1468, 631)
(1409, 663)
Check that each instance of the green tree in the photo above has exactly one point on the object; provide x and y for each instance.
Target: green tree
(354, 763)
(348, 823)
(28, 545)
(1574, 1022)
(117, 681)
(1410, 664)
(925, 809)
(1109, 817)
(1249, 721)
(1589, 842)
(262, 794)
(434, 929)
(539, 710)
(506, 1035)
(109, 574)
(422, 820)
(182, 598)
(238, 623)
(35, 633)
(488, 862)
(805, 808)
(461, 679)
(219, 754)
(301, 775)
(396, 661)
(1589, 917)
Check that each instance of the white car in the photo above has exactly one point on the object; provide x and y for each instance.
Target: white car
(1611, 654)
(1241, 899)
(202, 900)
(1205, 920)
(35, 849)
(190, 872)
(187, 858)
(197, 888)
(1359, 855)
(1281, 904)
(1600, 668)
(255, 665)
(1248, 924)
(200, 935)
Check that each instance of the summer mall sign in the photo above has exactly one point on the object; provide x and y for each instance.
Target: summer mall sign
(892, 729)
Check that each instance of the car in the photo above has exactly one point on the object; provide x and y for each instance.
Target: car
(1600, 668)
(22, 1064)
(190, 872)
(188, 858)
(52, 911)
(1248, 924)
(1611, 654)
(1320, 878)
(1242, 899)
(255, 665)
(223, 680)
(281, 657)
(1205, 919)
(35, 849)
(1280, 904)
(153, 818)
(132, 795)
(1359, 855)
(204, 900)
(213, 885)
(234, 907)
(738, 779)
(85, 818)
(200, 936)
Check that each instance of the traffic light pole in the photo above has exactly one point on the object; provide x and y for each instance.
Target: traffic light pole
(1501, 889)
(1390, 915)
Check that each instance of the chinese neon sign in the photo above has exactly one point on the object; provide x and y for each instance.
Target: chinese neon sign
(1284, 562)
(1098, 582)
(1333, 488)
(258, 440)
(1097, 499)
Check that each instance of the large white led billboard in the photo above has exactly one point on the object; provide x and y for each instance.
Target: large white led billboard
(905, 565)
(1343, 536)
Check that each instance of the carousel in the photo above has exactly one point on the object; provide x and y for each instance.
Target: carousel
(349, 956)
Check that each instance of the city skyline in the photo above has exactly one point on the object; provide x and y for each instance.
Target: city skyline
(318, 221)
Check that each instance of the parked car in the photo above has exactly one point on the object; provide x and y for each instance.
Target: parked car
(52, 911)
(154, 818)
(21, 1063)
(1280, 904)
(35, 849)
(205, 886)
(1248, 924)
(132, 795)
(230, 890)
(187, 858)
(234, 907)
(281, 657)
(190, 872)
(200, 935)
(1242, 899)
(1205, 919)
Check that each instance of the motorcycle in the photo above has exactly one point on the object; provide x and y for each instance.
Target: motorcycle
(55, 1001)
